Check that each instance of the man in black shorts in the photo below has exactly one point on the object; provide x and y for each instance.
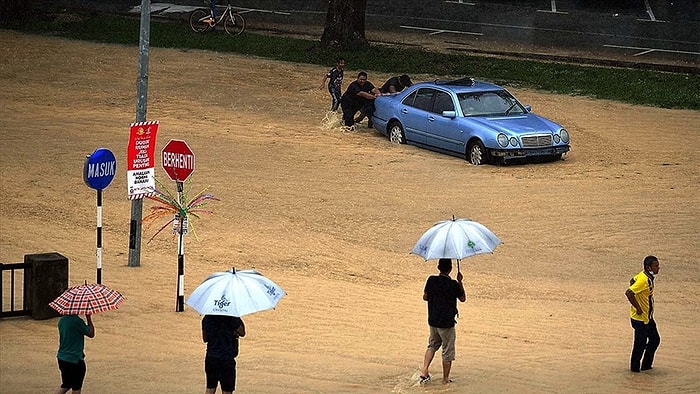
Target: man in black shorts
(221, 333)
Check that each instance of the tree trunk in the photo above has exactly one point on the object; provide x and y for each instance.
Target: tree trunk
(345, 25)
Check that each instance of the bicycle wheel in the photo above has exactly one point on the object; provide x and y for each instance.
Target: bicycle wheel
(197, 18)
(234, 24)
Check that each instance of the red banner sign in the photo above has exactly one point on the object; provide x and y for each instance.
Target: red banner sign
(140, 159)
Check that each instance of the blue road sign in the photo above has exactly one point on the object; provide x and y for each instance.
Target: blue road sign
(100, 168)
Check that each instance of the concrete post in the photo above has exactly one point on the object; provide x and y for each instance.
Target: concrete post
(45, 279)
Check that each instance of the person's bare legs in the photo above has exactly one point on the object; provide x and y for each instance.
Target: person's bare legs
(429, 354)
(210, 391)
(446, 367)
(61, 390)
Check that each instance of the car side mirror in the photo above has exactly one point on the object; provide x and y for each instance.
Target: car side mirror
(449, 114)
(528, 108)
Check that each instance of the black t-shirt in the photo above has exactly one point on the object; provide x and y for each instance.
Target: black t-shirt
(353, 89)
(443, 293)
(393, 81)
(222, 339)
(335, 79)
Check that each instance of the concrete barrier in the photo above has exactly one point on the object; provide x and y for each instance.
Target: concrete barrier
(45, 279)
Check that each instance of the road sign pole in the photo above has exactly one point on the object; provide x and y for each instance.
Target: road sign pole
(98, 172)
(178, 163)
(180, 255)
(99, 236)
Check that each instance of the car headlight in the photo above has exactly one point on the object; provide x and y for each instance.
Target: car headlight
(502, 140)
(564, 136)
(556, 138)
(513, 141)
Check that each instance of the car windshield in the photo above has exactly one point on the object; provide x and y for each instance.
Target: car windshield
(489, 104)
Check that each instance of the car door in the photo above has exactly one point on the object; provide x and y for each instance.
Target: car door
(444, 131)
(414, 111)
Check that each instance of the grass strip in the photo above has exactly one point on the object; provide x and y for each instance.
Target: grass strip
(634, 86)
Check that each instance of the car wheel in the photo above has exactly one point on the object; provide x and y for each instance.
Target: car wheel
(396, 134)
(476, 153)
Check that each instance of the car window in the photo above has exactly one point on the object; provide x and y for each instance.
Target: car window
(443, 102)
(422, 99)
(409, 99)
(489, 103)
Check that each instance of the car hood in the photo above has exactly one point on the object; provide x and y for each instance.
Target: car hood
(517, 124)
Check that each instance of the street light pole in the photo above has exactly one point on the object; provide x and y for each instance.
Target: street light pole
(141, 106)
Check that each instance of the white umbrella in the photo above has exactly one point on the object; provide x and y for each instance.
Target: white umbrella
(235, 293)
(455, 239)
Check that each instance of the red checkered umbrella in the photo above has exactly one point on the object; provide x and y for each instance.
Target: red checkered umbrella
(87, 299)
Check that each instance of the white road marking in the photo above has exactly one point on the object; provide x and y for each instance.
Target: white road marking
(439, 31)
(644, 51)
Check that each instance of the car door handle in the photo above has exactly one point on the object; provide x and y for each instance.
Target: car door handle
(431, 119)
(404, 111)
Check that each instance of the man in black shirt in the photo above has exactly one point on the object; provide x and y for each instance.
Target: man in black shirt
(442, 293)
(396, 84)
(221, 333)
(359, 96)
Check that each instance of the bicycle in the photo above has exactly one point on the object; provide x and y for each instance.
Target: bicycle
(201, 20)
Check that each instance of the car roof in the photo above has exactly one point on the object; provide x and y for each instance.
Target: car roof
(463, 85)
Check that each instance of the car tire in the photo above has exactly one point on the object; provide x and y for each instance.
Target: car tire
(395, 133)
(476, 153)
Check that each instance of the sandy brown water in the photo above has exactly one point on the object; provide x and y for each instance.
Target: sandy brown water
(331, 217)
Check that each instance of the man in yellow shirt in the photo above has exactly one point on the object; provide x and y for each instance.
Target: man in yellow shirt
(641, 295)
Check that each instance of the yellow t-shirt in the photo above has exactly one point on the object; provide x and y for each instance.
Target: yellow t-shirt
(643, 289)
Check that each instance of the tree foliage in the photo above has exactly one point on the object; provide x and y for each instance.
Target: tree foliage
(345, 25)
(14, 10)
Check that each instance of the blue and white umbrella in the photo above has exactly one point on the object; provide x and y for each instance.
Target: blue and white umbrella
(235, 293)
(455, 239)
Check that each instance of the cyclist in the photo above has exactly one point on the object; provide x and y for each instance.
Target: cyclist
(212, 20)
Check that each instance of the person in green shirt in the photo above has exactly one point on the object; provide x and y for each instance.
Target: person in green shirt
(72, 331)
(641, 296)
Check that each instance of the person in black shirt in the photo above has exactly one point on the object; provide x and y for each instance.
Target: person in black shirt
(359, 96)
(442, 292)
(221, 333)
(396, 84)
(335, 82)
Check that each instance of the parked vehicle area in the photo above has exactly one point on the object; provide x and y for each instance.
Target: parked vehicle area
(476, 120)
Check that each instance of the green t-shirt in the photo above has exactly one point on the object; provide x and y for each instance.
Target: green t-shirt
(71, 332)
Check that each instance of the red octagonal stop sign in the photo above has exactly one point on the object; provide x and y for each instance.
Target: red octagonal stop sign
(178, 160)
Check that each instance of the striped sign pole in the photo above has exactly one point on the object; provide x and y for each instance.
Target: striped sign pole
(99, 236)
(178, 163)
(181, 254)
(98, 173)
